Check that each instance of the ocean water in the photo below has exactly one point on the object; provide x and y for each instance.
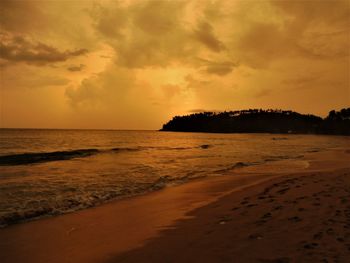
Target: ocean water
(50, 172)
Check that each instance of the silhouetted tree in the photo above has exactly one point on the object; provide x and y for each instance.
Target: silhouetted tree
(262, 121)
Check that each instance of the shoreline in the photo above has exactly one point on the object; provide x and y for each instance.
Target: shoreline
(106, 233)
(161, 183)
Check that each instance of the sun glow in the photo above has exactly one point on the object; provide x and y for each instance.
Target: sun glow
(161, 58)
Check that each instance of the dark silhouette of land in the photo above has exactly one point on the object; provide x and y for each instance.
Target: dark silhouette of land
(262, 121)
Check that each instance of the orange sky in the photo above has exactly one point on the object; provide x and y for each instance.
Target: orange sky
(135, 64)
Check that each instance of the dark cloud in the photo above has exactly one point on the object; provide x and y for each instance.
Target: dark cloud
(156, 34)
(76, 68)
(262, 43)
(20, 49)
(220, 68)
(21, 16)
(146, 33)
(305, 13)
(110, 21)
(205, 35)
(327, 46)
(313, 30)
(153, 16)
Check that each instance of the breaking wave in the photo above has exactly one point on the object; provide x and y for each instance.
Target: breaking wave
(29, 158)
(42, 157)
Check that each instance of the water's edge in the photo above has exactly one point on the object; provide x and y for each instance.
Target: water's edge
(160, 183)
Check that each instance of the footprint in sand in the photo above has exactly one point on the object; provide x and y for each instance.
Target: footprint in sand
(330, 231)
(267, 215)
(318, 235)
(251, 205)
(294, 219)
(311, 245)
(279, 207)
(283, 191)
(340, 239)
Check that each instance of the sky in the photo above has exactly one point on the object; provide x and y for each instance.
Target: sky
(135, 64)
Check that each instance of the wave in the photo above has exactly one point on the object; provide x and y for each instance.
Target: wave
(76, 203)
(268, 159)
(29, 158)
(123, 150)
(42, 157)
(282, 157)
(237, 165)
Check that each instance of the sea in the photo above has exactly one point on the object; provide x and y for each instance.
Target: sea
(46, 172)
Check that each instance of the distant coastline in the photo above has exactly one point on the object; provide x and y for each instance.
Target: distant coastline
(262, 121)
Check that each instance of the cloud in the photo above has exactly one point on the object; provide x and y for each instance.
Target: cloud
(311, 13)
(18, 16)
(109, 21)
(76, 68)
(332, 45)
(108, 87)
(148, 35)
(312, 30)
(20, 49)
(235, 54)
(262, 43)
(157, 17)
(205, 35)
(301, 81)
(30, 78)
(86, 94)
(170, 90)
(158, 33)
(220, 68)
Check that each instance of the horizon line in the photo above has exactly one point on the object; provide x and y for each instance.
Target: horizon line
(87, 129)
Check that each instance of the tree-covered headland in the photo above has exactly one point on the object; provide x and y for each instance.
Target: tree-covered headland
(262, 121)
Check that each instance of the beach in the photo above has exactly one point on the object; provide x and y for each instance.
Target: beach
(173, 131)
(264, 213)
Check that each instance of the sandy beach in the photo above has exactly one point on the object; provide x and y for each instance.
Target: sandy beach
(277, 212)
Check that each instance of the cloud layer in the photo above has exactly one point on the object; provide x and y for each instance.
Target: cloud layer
(20, 49)
(106, 60)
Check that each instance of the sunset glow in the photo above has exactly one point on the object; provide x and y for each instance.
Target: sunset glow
(135, 64)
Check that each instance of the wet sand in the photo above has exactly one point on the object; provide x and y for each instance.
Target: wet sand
(270, 213)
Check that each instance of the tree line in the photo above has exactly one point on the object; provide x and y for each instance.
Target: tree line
(262, 121)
